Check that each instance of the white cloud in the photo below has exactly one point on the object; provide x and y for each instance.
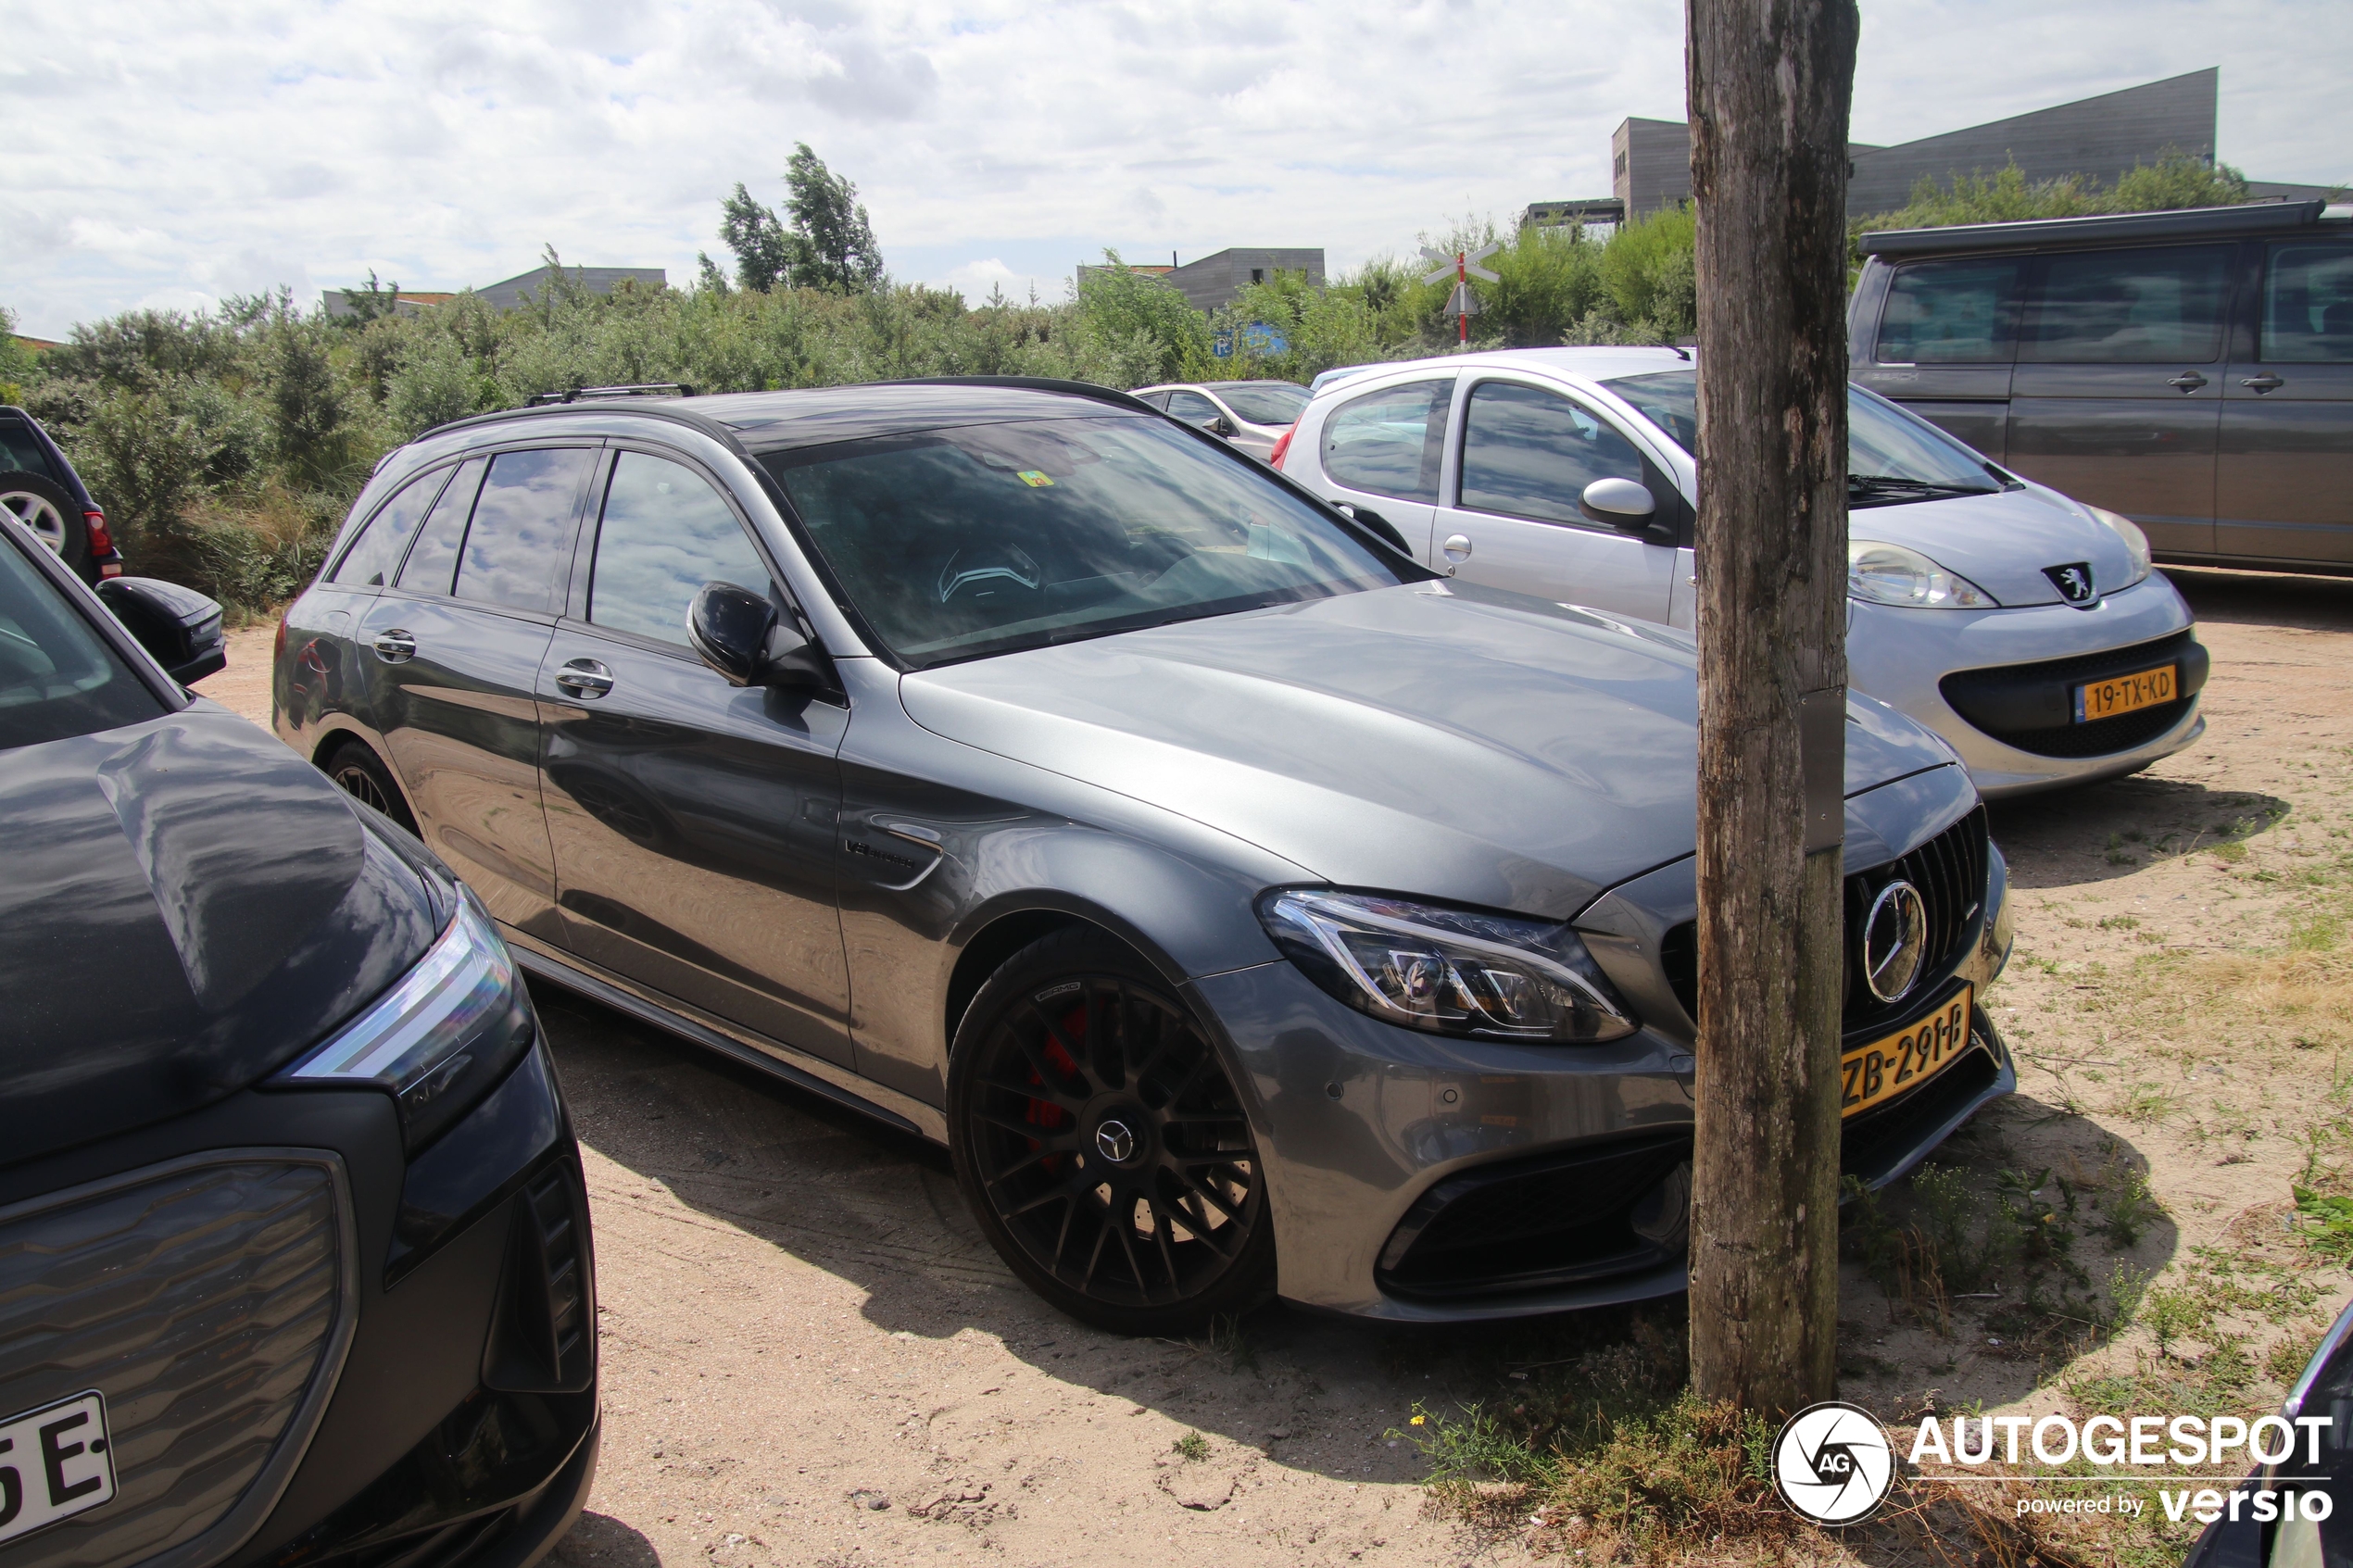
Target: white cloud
(218, 145)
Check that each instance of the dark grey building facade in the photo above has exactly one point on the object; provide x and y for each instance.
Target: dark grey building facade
(2103, 137)
(1219, 280)
(508, 293)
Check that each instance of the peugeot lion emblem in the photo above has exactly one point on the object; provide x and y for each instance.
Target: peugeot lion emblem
(1116, 1142)
(1894, 941)
(2073, 581)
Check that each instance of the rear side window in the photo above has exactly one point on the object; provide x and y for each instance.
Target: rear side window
(435, 559)
(21, 450)
(1388, 442)
(2131, 307)
(1192, 407)
(521, 534)
(1952, 313)
(58, 676)
(376, 555)
(2308, 304)
(665, 533)
(1531, 453)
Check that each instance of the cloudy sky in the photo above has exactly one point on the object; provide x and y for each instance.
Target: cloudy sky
(166, 154)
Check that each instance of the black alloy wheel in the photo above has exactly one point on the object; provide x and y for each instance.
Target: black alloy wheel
(1099, 1139)
(361, 774)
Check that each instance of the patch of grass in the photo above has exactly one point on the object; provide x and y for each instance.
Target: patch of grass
(2168, 1315)
(2119, 923)
(1473, 1446)
(1228, 1339)
(1192, 1448)
(2146, 1103)
(2326, 1221)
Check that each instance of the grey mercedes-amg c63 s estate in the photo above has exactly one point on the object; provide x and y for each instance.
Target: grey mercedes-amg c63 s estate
(1247, 908)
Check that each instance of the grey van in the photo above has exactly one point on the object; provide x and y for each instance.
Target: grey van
(2192, 370)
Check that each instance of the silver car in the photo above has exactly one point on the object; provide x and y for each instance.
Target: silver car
(1246, 908)
(2023, 627)
(1253, 415)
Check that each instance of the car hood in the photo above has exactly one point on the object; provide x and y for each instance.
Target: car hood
(1435, 738)
(2002, 542)
(188, 905)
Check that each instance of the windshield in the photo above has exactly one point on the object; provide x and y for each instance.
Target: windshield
(956, 544)
(58, 676)
(1262, 402)
(1892, 456)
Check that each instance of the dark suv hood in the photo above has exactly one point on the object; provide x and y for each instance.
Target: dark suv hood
(1435, 739)
(187, 906)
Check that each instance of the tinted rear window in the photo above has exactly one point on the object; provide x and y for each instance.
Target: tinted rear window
(2308, 304)
(1264, 403)
(1388, 442)
(376, 555)
(434, 560)
(58, 676)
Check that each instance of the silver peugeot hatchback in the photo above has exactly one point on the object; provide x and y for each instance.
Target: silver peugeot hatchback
(2023, 627)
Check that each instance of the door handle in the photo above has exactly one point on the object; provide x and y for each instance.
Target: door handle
(2188, 381)
(2265, 382)
(396, 646)
(583, 678)
(1457, 548)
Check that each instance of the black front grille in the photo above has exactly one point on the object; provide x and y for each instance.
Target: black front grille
(2032, 705)
(2101, 737)
(1949, 870)
(1560, 1219)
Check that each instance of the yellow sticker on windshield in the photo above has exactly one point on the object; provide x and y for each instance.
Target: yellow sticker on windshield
(1035, 480)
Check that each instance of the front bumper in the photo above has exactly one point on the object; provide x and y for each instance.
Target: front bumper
(400, 1407)
(1903, 658)
(1374, 1135)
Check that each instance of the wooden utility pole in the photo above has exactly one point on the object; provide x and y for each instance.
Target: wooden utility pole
(1770, 84)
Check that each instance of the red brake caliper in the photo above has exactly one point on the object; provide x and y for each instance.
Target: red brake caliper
(1045, 1112)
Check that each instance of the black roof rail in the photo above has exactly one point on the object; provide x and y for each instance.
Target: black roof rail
(2249, 218)
(651, 389)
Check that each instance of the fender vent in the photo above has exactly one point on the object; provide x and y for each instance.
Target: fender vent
(543, 1339)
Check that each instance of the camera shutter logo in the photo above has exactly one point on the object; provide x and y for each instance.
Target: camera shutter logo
(1833, 1464)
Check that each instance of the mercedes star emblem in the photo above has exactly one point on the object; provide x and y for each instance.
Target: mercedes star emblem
(1116, 1142)
(1894, 941)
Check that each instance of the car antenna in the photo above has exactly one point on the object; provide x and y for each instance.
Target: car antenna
(1682, 349)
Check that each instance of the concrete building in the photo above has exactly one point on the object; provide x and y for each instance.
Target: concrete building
(2102, 137)
(1219, 280)
(508, 293)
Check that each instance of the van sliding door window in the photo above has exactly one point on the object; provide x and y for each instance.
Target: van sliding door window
(2308, 304)
(2131, 307)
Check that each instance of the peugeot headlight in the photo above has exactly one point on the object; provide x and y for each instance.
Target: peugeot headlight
(1881, 573)
(447, 1032)
(2136, 544)
(1450, 972)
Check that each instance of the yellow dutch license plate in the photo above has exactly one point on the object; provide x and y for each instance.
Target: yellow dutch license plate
(2123, 693)
(1884, 1068)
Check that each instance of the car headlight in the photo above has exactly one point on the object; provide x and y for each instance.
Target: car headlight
(1450, 972)
(2136, 544)
(1881, 573)
(445, 1033)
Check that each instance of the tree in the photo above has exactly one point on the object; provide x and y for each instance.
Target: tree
(828, 245)
(832, 245)
(372, 303)
(764, 261)
(1770, 84)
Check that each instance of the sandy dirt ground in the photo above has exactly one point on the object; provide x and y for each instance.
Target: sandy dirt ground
(811, 1358)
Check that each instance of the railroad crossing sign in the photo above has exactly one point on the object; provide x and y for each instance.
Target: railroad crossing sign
(1462, 303)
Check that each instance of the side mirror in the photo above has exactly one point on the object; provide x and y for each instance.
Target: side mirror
(1619, 503)
(1223, 426)
(740, 634)
(179, 626)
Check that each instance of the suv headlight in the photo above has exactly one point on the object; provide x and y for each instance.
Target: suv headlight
(1881, 573)
(1450, 972)
(443, 1035)
(2136, 544)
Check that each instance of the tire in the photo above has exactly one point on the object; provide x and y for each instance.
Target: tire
(1073, 1051)
(54, 517)
(360, 773)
